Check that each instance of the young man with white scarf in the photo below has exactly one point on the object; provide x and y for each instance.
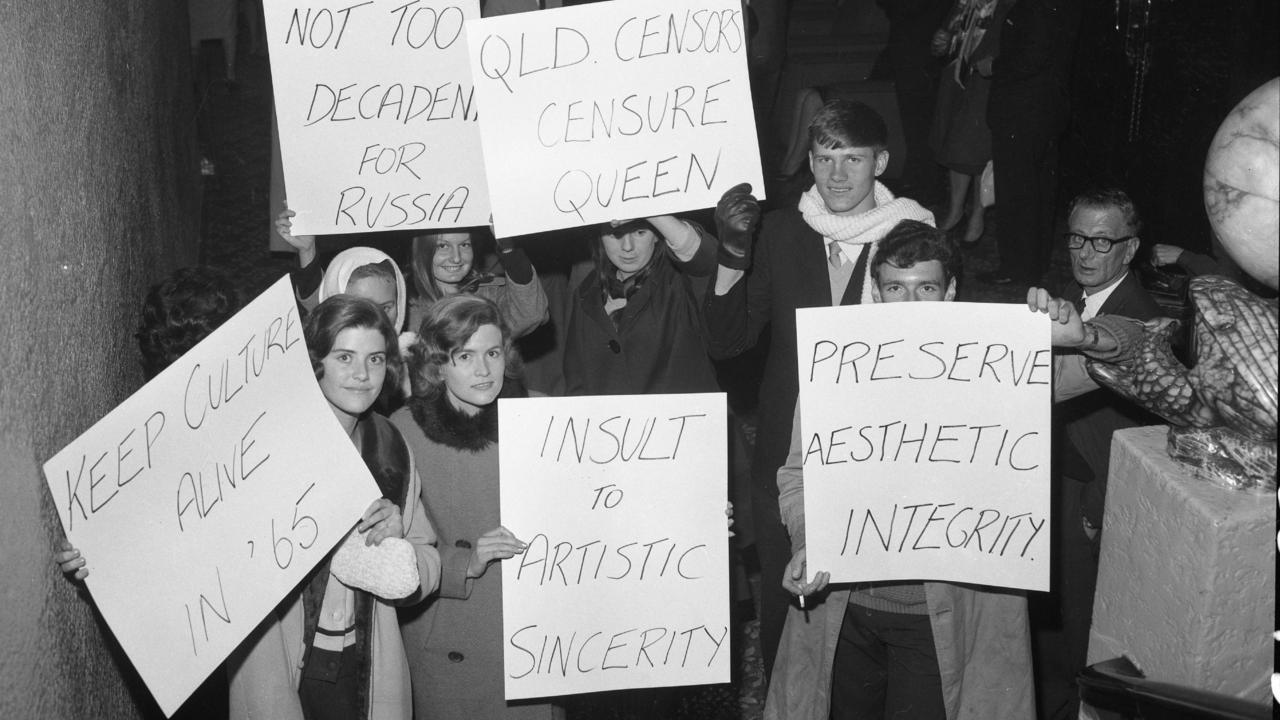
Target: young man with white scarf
(817, 254)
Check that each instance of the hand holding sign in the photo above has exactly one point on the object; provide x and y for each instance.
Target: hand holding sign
(737, 215)
(497, 544)
(69, 560)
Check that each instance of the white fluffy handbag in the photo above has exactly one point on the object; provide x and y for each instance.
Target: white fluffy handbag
(388, 570)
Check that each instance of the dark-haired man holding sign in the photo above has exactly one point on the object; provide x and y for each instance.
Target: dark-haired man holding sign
(924, 650)
(813, 255)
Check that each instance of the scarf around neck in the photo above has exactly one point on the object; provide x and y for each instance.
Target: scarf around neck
(854, 231)
(863, 228)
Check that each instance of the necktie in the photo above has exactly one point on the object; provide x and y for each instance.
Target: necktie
(1080, 306)
(834, 255)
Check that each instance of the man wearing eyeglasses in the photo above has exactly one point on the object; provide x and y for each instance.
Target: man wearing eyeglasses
(1102, 238)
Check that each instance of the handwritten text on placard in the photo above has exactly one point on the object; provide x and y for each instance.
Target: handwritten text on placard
(624, 582)
(925, 435)
(377, 114)
(205, 497)
(624, 109)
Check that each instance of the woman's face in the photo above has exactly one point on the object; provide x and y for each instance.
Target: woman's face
(381, 291)
(473, 376)
(453, 258)
(353, 373)
(631, 252)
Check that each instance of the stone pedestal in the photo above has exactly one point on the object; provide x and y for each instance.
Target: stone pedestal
(1186, 585)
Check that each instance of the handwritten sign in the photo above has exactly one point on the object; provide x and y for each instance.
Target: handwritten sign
(623, 109)
(625, 581)
(926, 442)
(205, 497)
(377, 114)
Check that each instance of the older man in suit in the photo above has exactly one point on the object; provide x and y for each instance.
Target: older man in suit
(1103, 229)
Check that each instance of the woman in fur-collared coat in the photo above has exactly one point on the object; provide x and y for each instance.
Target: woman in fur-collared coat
(460, 366)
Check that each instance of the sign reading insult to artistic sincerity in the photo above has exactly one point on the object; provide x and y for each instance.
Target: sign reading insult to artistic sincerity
(377, 114)
(205, 497)
(613, 110)
(624, 583)
(925, 435)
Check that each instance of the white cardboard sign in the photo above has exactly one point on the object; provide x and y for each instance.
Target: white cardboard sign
(614, 110)
(925, 429)
(377, 114)
(204, 498)
(625, 581)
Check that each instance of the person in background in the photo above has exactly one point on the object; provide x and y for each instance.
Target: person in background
(960, 139)
(360, 271)
(920, 650)
(462, 363)
(1103, 236)
(444, 264)
(813, 255)
(635, 326)
(1194, 263)
(1027, 112)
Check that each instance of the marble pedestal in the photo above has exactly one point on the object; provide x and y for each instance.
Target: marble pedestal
(1186, 584)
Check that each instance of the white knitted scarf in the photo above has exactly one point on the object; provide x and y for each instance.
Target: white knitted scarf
(863, 228)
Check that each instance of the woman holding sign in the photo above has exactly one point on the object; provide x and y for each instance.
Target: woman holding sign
(461, 365)
(444, 264)
(635, 326)
(333, 649)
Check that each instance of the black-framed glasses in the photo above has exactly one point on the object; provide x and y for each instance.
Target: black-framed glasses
(1101, 245)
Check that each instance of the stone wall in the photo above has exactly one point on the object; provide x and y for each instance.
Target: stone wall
(99, 198)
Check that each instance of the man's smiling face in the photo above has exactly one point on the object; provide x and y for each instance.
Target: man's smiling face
(846, 177)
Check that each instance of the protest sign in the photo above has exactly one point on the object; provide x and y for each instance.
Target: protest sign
(925, 436)
(624, 583)
(616, 110)
(205, 497)
(376, 114)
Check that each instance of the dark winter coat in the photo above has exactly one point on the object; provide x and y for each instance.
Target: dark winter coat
(658, 344)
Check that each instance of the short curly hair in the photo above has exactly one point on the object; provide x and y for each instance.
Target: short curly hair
(911, 242)
(446, 328)
(342, 312)
(180, 311)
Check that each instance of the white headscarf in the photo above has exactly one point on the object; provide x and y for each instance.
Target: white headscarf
(344, 263)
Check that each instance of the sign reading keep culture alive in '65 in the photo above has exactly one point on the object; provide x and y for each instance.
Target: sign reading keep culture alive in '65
(925, 442)
(613, 110)
(377, 114)
(205, 497)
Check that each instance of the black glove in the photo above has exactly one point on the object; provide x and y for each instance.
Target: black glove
(737, 214)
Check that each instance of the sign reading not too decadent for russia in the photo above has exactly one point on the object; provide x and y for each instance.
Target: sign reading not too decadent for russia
(625, 580)
(623, 109)
(377, 114)
(925, 442)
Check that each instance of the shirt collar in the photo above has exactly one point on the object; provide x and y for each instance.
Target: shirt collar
(1093, 301)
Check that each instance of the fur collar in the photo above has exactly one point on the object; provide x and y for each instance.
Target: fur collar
(443, 423)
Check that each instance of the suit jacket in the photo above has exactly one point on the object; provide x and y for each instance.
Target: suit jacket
(1089, 421)
(789, 271)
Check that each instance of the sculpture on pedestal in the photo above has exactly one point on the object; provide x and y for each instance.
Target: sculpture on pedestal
(1222, 410)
